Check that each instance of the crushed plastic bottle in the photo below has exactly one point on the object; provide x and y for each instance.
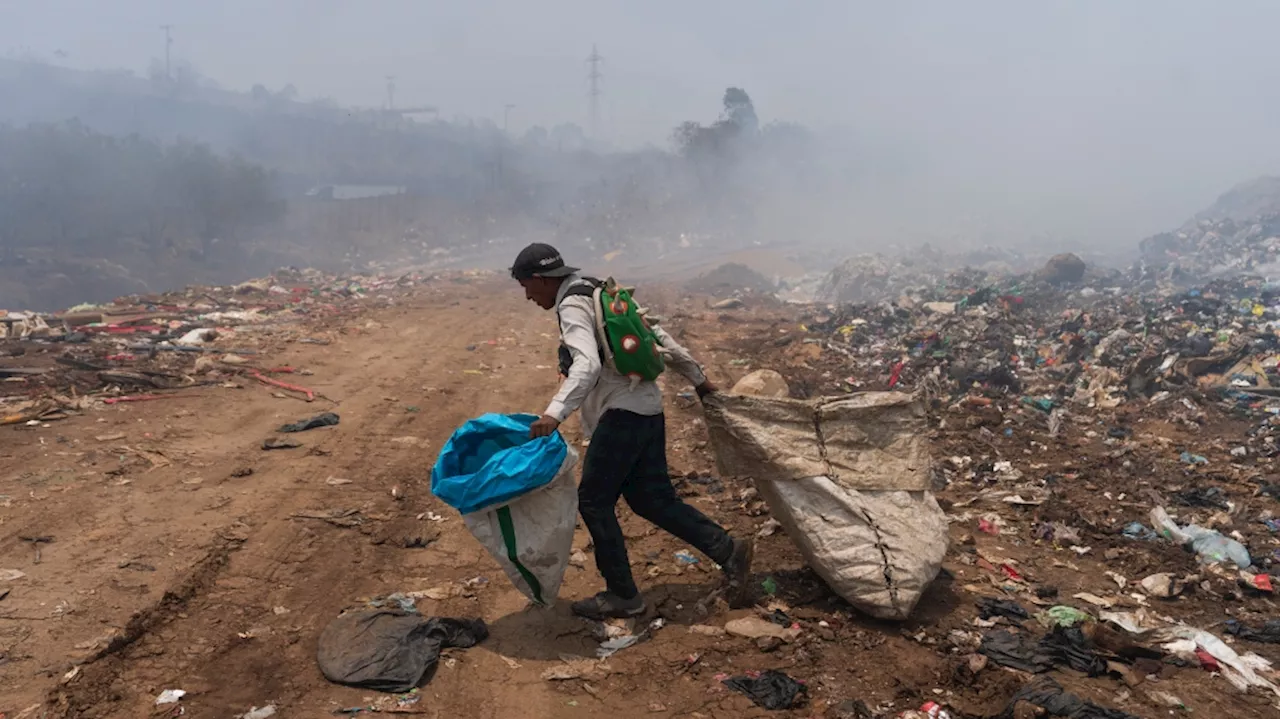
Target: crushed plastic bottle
(1212, 547)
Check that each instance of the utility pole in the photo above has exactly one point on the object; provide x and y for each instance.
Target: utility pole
(168, 44)
(593, 91)
(391, 92)
(502, 141)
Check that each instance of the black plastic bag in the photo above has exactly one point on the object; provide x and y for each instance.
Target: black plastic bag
(1049, 695)
(1069, 646)
(1211, 497)
(771, 690)
(326, 419)
(989, 607)
(1016, 651)
(1268, 633)
(390, 650)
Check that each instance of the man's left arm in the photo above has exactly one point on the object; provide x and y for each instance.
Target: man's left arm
(682, 361)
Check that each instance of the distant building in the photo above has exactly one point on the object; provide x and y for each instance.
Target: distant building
(355, 192)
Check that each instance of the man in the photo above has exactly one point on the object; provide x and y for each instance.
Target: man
(627, 455)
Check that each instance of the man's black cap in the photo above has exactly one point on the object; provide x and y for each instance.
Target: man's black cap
(540, 260)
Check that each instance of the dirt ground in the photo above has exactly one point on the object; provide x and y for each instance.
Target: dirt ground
(181, 555)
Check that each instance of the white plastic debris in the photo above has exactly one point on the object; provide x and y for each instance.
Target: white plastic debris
(607, 649)
(1240, 670)
(199, 336)
(170, 696)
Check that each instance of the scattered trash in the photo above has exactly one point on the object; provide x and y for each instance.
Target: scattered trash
(770, 689)
(1063, 616)
(610, 647)
(280, 443)
(572, 667)
(1241, 671)
(1161, 585)
(685, 557)
(1209, 544)
(259, 712)
(1048, 695)
(989, 607)
(326, 419)
(755, 627)
(170, 696)
(769, 528)
(1267, 633)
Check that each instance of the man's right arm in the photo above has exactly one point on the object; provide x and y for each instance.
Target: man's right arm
(578, 333)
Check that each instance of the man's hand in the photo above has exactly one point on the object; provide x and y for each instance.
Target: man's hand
(543, 426)
(706, 388)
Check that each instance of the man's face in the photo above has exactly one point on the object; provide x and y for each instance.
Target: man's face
(540, 291)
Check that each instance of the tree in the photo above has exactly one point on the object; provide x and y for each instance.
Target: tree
(739, 111)
(64, 187)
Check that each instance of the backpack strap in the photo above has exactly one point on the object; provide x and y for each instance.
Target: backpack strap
(582, 287)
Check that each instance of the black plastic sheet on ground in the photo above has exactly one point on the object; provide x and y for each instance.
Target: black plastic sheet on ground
(390, 650)
(1267, 633)
(771, 689)
(1064, 646)
(1016, 651)
(1049, 695)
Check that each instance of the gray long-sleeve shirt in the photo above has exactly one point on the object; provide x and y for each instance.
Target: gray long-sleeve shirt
(595, 388)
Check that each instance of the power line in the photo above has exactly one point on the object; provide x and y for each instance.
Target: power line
(168, 44)
(593, 92)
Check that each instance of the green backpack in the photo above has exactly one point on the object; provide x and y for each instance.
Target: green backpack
(630, 346)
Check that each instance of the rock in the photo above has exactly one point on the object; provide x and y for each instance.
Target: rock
(768, 644)
(1066, 267)
(849, 709)
(1161, 585)
(755, 628)
(763, 383)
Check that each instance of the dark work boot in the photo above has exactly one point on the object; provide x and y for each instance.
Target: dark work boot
(738, 572)
(607, 605)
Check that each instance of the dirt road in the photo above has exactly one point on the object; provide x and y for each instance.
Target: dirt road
(166, 569)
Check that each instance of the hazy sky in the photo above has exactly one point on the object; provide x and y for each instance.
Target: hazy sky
(1083, 117)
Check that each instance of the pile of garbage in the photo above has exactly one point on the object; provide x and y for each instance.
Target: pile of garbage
(1240, 233)
(877, 277)
(145, 347)
(1104, 452)
(1211, 248)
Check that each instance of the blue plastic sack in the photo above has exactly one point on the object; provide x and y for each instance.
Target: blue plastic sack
(490, 460)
